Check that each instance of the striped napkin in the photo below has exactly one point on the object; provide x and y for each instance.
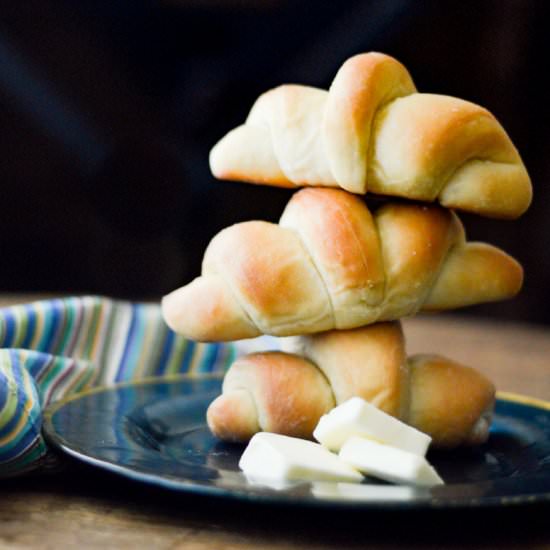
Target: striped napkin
(51, 349)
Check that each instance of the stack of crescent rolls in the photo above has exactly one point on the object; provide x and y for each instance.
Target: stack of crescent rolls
(334, 276)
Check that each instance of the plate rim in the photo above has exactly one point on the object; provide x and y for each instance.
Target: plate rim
(184, 486)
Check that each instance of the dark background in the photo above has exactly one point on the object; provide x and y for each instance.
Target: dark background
(108, 110)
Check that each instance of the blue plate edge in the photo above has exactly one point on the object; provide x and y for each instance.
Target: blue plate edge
(278, 498)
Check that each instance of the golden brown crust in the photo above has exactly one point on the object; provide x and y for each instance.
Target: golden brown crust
(415, 241)
(448, 400)
(468, 275)
(219, 312)
(288, 392)
(363, 84)
(365, 362)
(335, 265)
(339, 233)
(233, 416)
(371, 131)
(285, 393)
(270, 275)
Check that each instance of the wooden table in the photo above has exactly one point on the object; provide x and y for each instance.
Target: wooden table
(88, 508)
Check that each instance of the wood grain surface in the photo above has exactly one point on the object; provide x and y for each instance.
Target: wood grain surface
(84, 507)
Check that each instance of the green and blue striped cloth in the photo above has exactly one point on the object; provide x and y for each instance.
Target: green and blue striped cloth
(54, 348)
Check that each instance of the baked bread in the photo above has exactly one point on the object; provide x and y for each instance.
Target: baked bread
(372, 132)
(330, 263)
(287, 394)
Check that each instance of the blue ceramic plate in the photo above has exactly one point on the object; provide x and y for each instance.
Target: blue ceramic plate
(155, 432)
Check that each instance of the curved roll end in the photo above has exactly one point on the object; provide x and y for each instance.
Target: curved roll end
(435, 147)
(480, 430)
(475, 273)
(495, 190)
(273, 392)
(205, 311)
(246, 154)
(233, 416)
(450, 402)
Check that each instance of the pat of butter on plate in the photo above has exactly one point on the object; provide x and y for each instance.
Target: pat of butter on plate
(389, 463)
(274, 456)
(357, 417)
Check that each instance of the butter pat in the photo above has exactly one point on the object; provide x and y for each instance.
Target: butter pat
(364, 492)
(357, 417)
(389, 463)
(274, 456)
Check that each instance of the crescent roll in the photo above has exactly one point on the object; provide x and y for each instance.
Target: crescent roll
(372, 132)
(331, 263)
(288, 393)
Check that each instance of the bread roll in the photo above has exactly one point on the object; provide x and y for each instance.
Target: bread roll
(331, 263)
(372, 132)
(287, 393)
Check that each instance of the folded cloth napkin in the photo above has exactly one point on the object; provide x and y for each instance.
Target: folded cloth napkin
(51, 349)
